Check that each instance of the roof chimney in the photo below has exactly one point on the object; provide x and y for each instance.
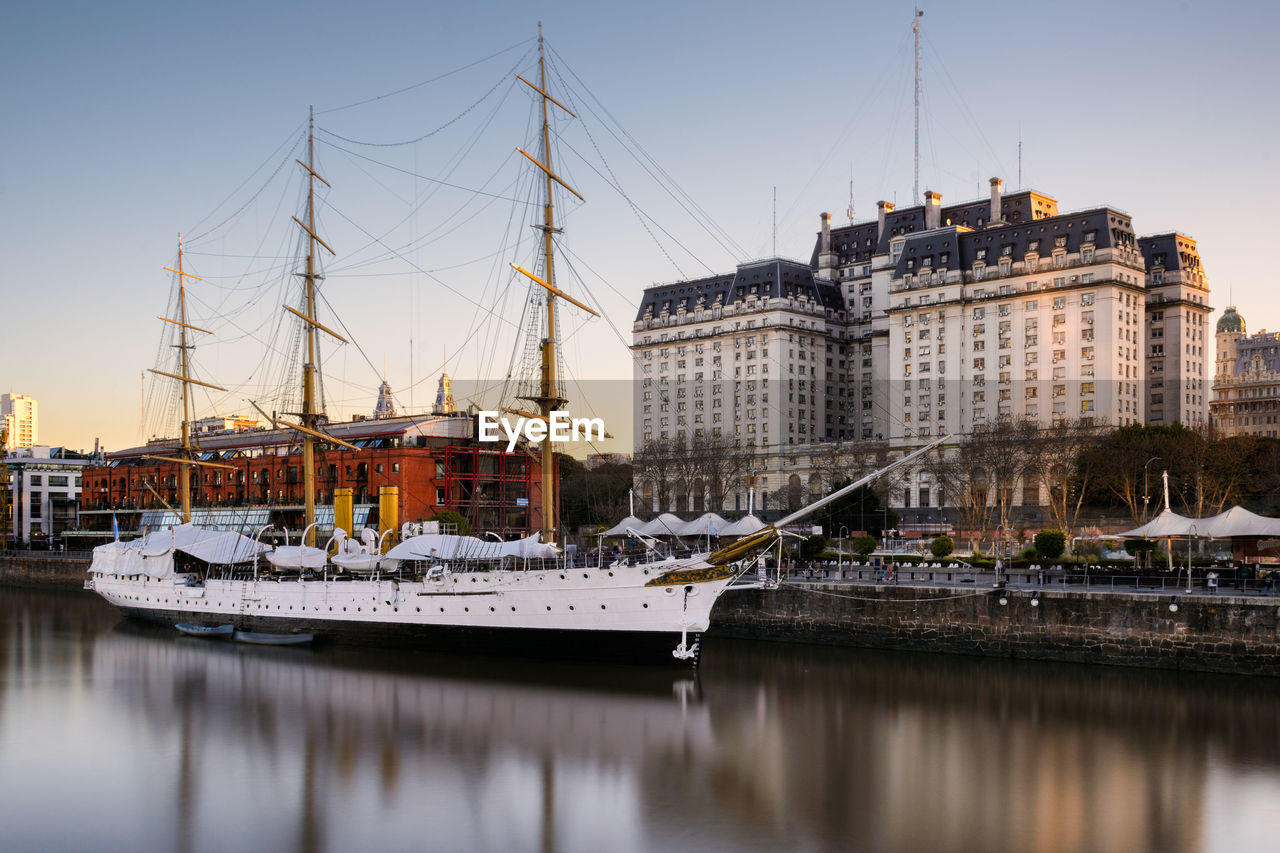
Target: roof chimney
(826, 260)
(996, 186)
(932, 210)
(885, 207)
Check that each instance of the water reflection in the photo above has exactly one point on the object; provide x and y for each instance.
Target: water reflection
(115, 736)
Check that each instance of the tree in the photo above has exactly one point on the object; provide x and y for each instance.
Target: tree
(593, 496)
(1050, 543)
(864, 545)
(653, 467)
(721, 463)
(861, 509)
(447, 516)
(1058, 462)
(942, 546)
(1205, 471)
(812, 548)
(690, 473)
(963, 484)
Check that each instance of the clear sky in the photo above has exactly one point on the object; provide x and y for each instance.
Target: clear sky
(125, 124)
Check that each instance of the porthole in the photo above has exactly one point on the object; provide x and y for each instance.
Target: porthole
(562, 577)
(646, 605)
(513, 610)
(585, 575)
(570, 606)
(602, 607)
(441, 609)
(491, 610)
(466, 610)
(610, 574)
(548, 607)
(670, 591)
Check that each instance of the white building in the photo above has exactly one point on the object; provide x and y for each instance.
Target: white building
(21, 419)
(1178, 380)
(44, 491)
(1246, 384)
(928, 321)
(757, 356)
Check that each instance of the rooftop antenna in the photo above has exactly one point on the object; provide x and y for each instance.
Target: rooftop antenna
(915, 30)
(1019, 156)
(775, 220)
(850, 193)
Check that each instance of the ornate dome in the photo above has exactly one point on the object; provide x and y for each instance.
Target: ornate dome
(1230, 321)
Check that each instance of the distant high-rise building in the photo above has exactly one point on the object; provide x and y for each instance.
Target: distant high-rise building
(385, 408)
(444, 397)
(1246, 384)
(21, 419)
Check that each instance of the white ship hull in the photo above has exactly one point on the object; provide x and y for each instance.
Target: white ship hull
(620, 611)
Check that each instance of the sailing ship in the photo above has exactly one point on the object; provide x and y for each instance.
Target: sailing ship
(448, 591)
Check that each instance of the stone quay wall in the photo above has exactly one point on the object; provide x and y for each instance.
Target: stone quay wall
(51, 568)
(1215, 633)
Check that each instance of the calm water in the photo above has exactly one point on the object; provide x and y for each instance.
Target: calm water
(114, 737)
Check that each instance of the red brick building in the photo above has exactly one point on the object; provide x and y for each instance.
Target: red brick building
(435, 462)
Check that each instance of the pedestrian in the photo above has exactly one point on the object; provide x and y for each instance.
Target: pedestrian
(1212, 582)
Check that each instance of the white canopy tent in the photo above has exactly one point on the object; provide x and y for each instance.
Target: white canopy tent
(666, 524)
(744, 526)
(1238, 521)
(1235, 522)
(620, 529)
(707, 524)
(1166, 525)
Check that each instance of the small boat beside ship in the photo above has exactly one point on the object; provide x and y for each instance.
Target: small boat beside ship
(257, 638)
(224, 630)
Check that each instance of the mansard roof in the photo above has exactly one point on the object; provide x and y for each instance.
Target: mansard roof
(1171, 251)
(771, 278)
(858, 242)
(1106, 226)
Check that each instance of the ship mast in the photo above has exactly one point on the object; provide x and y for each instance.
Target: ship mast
(187, 450)
(548, 399)
(183, 348)
(310, 413)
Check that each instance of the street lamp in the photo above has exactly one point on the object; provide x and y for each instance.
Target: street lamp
(840, 534)
(1189, 538)
(1146, 491)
